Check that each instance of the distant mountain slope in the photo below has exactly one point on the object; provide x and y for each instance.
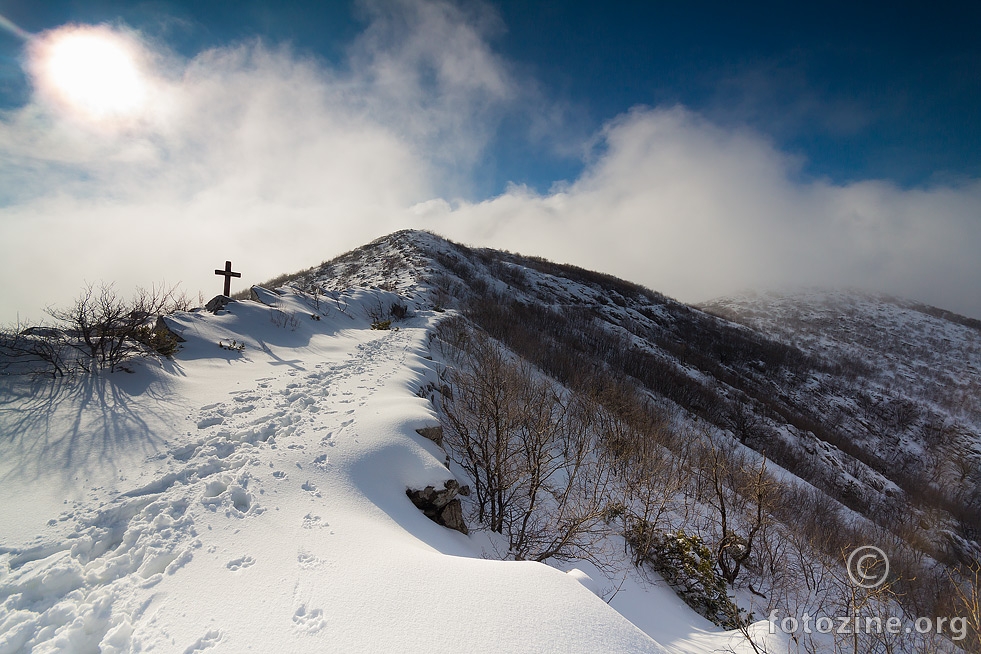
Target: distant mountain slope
(910, 390)
(930, 354)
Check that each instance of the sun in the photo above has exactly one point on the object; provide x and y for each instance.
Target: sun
(91, 71)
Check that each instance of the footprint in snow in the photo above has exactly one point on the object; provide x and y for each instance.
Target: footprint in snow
(309, 620)
(206, 641)
(313, 521)
(307, 561)
(210, 421)
(240, 563)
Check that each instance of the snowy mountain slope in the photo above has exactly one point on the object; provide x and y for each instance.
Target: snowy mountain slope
(251, 492)
(862, 403)
(254, 499)
(909, 391)
(850, 427)
(860, 391)
(931, 355)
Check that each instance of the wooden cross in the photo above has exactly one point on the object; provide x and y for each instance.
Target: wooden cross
(227, 272)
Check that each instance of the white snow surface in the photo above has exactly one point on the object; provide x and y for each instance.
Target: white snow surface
(255, 500)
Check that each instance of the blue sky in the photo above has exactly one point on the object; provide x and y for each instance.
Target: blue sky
(874, 90)
(699, 148)
(859, 90)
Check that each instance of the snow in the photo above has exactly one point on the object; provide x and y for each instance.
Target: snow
(253, 499)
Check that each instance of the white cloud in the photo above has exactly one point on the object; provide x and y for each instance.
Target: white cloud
(248, 152)
(696, 211)
(427, 69)
(276, 161)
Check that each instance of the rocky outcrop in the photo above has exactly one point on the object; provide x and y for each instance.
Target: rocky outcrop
(265, 296)
(164, 327)
(442, 506)
(217, 303)
(435, 434)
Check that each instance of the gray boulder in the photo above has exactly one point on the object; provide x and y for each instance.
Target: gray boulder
(217, 303)
(435, 434)
(442, 506)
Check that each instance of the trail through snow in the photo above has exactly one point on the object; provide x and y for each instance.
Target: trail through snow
(254, 500)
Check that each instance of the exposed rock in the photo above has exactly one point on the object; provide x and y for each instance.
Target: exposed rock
(435, 434)
(264, 296)
(163, 327)
(47, 332)
(451, 516)
(217, 303)
(442, 506)
(961, 549)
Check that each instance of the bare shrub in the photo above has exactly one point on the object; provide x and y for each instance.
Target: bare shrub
(35, 349)
(967, 602)
(106, 329)
(398, 311)
(285, 319)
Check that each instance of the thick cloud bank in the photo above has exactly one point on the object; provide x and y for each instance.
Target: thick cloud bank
(697, 211)
(278, 161)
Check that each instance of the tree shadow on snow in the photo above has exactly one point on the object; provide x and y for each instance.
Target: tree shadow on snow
(80, 424)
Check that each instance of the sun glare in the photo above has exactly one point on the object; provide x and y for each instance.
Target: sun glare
(91, 71)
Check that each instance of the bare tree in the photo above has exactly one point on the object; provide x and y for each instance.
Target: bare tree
(481, 413)
(740, 496)
(106, 329)
(742, 420)
(529, 448)
(967, 601)
(566, 505)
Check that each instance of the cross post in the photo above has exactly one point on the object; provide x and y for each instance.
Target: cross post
(228, 274)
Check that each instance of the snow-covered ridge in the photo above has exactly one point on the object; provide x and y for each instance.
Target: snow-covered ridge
(251, 492)
(860, 389)
(882, 420)
(250, 495)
